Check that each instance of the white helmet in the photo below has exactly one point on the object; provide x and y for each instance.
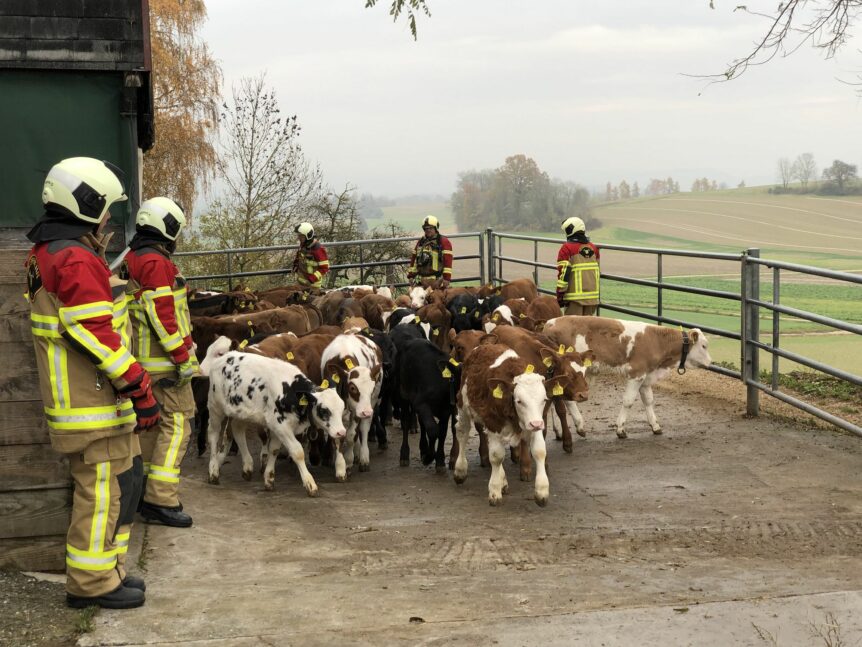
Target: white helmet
(431, 221)
(162, 214)
(305, 229)
(572, 225)
(84, 187)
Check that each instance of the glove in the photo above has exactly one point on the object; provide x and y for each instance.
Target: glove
(186, 371)
(146, 407)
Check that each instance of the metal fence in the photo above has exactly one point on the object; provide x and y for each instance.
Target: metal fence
(749, 265)
(361, 265)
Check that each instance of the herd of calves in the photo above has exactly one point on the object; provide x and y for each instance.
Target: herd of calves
(321, 373)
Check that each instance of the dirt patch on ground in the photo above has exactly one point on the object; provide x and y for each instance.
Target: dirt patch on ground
(33, 613)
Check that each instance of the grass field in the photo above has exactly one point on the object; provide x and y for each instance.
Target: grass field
(411, 215)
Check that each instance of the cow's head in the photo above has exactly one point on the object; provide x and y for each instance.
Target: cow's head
(355, 384)
(418, 296)
(463, 342)
(698, 352)
(465, 312)
(221, 346)
(326, 412)
(526, 394)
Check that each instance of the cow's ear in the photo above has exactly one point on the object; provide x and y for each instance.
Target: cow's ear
(500, 389)
(490, 338)
(539, 325)
(556, 386)
(693, 335)
(452, 335)
(548, 355)
(527, 323)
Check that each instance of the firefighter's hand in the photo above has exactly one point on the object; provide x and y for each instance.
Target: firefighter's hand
(186, 371)
(146, 407)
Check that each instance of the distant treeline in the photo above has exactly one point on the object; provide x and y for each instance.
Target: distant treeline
(518, 195)
(799, 176)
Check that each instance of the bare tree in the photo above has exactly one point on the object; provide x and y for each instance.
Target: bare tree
(825, 24)
(268, 185)
(785, 171)
(804, 169)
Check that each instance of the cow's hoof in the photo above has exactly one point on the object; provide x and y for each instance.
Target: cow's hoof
(656, 430)
(246, 475)
(341, 478)
(525, 477)
(364, 467)
(505, 489)
(213, 479)
(312, 491)
(494, 500)
(567, 447)
(404, 462)
(622, 434)
(382, 447)
(485, 462)
(581, 432)
(541, 501)
(440, 469)
(269, 487)
(459, 478)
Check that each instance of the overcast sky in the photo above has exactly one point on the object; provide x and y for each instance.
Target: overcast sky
(592, 90)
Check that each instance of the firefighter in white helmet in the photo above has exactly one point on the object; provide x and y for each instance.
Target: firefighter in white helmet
(95, 393)
(432, 256)
(311, 262)
(162, 342)
(577, 270)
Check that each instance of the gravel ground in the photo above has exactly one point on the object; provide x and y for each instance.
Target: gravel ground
(33, 613)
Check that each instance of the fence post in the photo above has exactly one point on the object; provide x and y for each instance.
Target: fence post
(659, 279)
(229, 273)
(535, 262)
(482, 267)
(491, 253)
(751, 331)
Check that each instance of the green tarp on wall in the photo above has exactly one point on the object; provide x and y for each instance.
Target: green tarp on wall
(48, 115)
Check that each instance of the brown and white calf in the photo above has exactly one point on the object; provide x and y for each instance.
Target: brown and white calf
(500, 392)
(508, 314)
(540, 310)
(354, 364)
(644, 353)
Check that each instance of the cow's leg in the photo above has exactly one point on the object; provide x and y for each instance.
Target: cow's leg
(294, 448)
(364, 453)
(340, 464)
(440, 453)
(629, 397)
(496, 452)
(404, 460)
(273, 446)
(539, 452)
(217, 442)
(648, 398)
(429, 433)
(240, 431)
(453, 451)
(349, 439)
(560, 411)
(483, 446)
(525, 464)
(580, 427)
(462, 431)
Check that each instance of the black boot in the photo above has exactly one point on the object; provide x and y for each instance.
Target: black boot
(168, 516)
(121, 597)
(134, 582)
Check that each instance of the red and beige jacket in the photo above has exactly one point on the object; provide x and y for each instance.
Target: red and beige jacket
(432, 257)
(311, 264)
(82, 359)
(578, 273)
(158, 303)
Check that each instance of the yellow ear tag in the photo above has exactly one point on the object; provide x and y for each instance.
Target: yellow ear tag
(498, 392)
(561, 350)
(324, 384)
(570, 350)
(454, 362)
(243, 343)
(349, 364)
(303, 401)
(250, 324)
(557, 390)
(463, 310)
(548, 362)
(335, 378)
(530, 368)
(522, 316)
(289, 355)
(476, 315)
(447, 373)
(496, 317)
(416, 319)
(435, 332)
(588, 362)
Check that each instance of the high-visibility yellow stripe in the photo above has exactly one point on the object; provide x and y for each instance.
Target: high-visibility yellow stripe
(105, 417)
(122, 542)
(102, 492)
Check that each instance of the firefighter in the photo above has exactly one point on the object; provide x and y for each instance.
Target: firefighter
(432, 256)
(311, 261)
(162, 343)
(94, 392)
(577, 270)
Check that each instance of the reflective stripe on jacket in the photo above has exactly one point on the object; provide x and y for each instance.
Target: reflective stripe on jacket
(158, 304)
(311, 264)
(81, 358)
(439, 250)
(578, 273)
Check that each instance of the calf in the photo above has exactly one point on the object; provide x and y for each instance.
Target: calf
(377, 309)
(439, 320)
(508, 314)
(501, 392)
(464, 309)
(540, 310)
(270, 393)
(418, 296)
(519, 289)
(353, 363)
(644, 353)
(427, 382)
